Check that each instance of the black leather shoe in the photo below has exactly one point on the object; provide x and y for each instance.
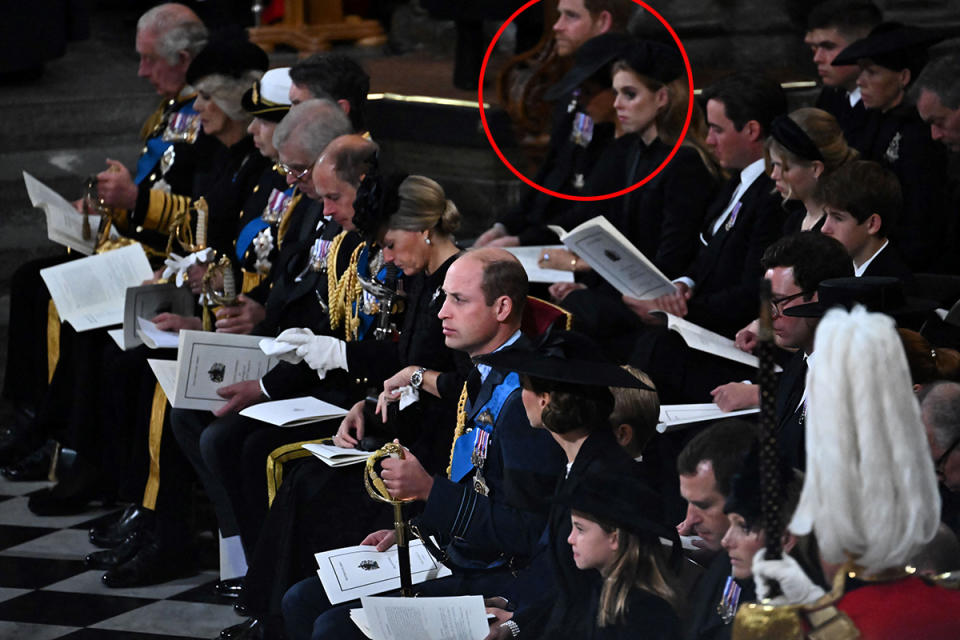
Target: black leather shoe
(228, 588)
(250, 629)
(241, 609)
(16, 441)
(35, 466)
(152, 564)
(71, 495)
(133, 518)
(118, 555)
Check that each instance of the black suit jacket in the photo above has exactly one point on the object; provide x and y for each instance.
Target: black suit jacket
(900, 141)
(852, 120)
(889, 264)
(790, 416)
(704, 623)
(727, 270)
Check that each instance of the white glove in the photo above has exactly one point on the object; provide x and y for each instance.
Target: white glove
(322, 353)
(178, 265)
(797, 587)
(282, 348)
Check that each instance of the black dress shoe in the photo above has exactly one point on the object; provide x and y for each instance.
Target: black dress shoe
(152, 564)
(71, 495)
(228, 588)
(35, 466)
(133, 518)
(241, 609)
(118, 555)
(250, 629)
(16, 441)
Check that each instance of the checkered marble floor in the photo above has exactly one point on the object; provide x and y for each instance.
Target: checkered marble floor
(46, 592)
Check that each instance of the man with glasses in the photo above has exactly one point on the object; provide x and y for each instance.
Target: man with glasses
(795, 266)
(940, 409)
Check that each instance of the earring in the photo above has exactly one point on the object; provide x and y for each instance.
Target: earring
(427, 239)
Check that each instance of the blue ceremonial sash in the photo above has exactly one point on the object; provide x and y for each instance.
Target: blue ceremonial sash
(155, 147)
(247, 235)
(462, 463)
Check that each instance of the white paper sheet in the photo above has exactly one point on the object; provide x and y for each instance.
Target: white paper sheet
(615, 258)
(156, 338)
(293, 412)
(166, 372)
(707, 341)
(529, 257)
(672, 415)
(117, 335)
(89, 293)
(352, 572)
(334, 456)
(64, 223)
(446, 618)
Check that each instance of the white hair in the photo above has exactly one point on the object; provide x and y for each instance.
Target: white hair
(177, 29)
(870, 489)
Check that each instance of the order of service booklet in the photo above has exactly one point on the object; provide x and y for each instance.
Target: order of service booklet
(293, 412)
(334, 456)
(615, 259)
(437, 618)
(353, 572)
(64, 223)
(89, 293)
(207, 361)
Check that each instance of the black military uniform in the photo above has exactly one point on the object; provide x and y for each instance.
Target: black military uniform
(313, 495)
(576, 144)
(898, 139)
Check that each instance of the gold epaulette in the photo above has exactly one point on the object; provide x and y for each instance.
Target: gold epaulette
(287, 213)
(163, 209)
(345, 292)
(461, 427)
(155, 121)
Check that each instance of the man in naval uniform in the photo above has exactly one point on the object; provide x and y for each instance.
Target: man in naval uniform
(490, 509)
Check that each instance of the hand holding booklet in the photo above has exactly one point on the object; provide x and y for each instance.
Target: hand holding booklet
(64, 223)
(707, 341)
(614, 257)
(674, 415)
(207, 361)
(353, 572)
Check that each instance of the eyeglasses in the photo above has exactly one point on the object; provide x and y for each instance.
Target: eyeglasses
(940, 466)
(296, 174)
(776, 304)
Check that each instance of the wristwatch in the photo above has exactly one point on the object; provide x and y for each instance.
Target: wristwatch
(513, 627)
(416, 378)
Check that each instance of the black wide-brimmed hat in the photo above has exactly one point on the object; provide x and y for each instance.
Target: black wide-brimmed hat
(621, 500)
(892, 45)
(269, 97)
(563, 356)
(654, 60)
(592, 56)
(878, 294)
(228, 52)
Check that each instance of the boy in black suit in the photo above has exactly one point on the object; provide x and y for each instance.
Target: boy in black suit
(862, 201)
